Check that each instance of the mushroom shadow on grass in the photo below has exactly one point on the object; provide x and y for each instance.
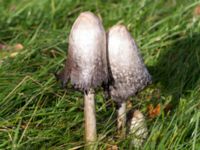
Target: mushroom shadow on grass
(178, 68)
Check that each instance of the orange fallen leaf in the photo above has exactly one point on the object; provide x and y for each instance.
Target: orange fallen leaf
(153, 112)
(197, 10)
(18, 47)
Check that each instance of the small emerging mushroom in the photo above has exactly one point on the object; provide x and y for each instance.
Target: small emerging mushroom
(86, 65)
(138, 129)
(128, 74)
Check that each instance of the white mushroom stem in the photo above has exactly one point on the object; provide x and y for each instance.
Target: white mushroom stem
(90, 117)
(121, 119)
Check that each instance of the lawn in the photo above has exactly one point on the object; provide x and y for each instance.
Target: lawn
(36, 113)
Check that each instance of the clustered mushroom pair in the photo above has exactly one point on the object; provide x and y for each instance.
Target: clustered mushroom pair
(109, 60)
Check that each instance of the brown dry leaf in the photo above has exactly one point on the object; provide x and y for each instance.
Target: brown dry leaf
(168, 108)
(129, 104)
(112, 147)
(197, 10)
(150, 109)
(148, 97)
(153, 112)
(16, 48)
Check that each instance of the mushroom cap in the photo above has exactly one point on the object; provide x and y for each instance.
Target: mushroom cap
(128, 72)
(86, 65)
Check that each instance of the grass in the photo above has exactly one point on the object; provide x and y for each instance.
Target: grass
(35, 113)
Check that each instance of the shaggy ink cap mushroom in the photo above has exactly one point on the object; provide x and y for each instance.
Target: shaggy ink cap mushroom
(126, 67)
(86, 65)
